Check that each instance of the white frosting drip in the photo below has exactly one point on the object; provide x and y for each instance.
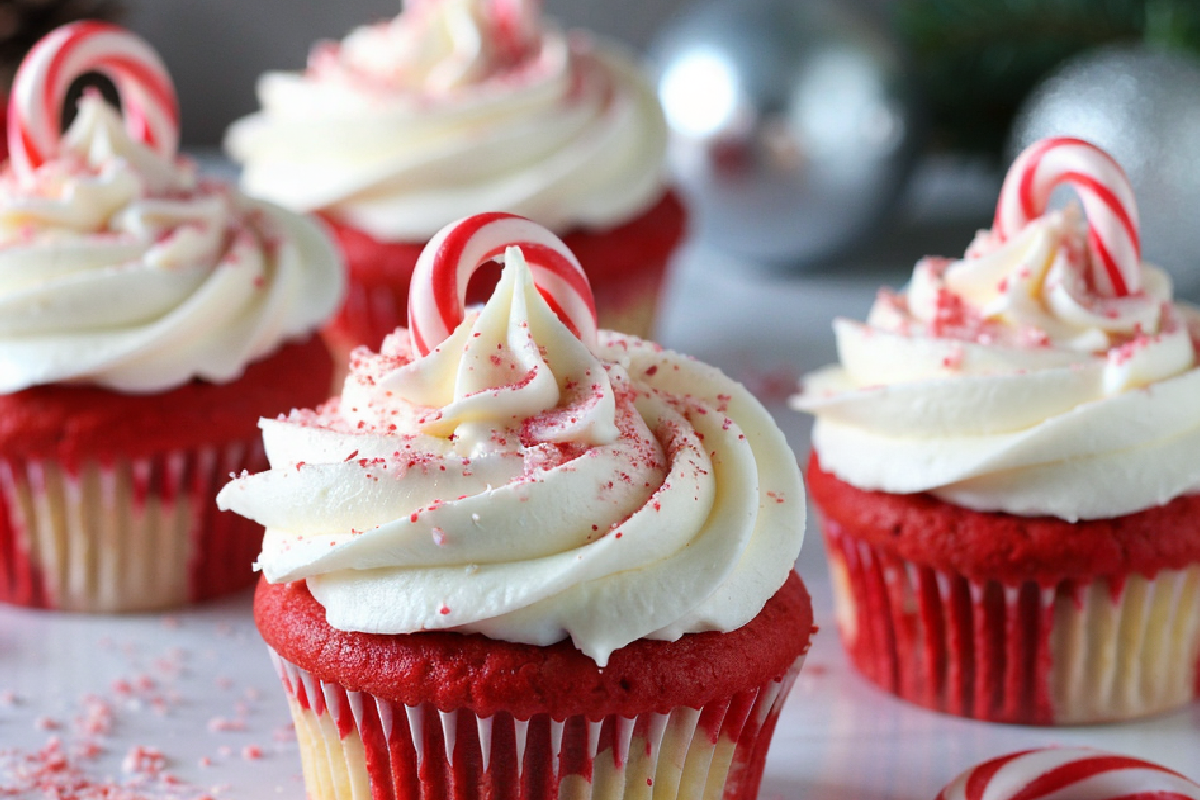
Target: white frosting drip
(434, 115)
(121, 268)
(517, 484)
(1000, 382)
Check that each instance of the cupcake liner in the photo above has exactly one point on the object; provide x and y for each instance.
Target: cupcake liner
(1074, 652)
(123, 535)
(357, 746)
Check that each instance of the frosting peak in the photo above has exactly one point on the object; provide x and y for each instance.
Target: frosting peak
(438, 47)
(513, 371)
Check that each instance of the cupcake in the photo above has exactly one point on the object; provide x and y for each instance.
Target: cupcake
(148, 318)
(1004, 466)
(520, 557)
(460, 107)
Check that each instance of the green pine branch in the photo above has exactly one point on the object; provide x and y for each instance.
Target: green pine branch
(977, 60)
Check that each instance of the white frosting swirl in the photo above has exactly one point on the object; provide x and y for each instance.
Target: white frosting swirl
(515, 483)
(121, 268)
(446, 111)
(1001, 382)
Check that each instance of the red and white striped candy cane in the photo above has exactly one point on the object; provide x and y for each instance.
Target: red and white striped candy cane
(439, 281)
(1107, 200)
(1069, 773)
(41, 84)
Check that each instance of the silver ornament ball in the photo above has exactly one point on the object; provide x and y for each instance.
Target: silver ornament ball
(1143, 107)
(793, 124)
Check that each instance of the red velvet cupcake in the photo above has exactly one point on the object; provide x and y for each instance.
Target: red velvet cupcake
(1004, 467)
(148, 319)
(461, 108)
(520, 557)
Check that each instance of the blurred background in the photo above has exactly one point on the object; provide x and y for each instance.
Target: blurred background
(805, 132)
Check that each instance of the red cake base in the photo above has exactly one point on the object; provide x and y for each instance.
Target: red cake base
(1015, 619)
(107, 499)
(626, 267)
(439, 714)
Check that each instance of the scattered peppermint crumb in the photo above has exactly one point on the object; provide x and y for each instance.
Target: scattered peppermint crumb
(252, 752)
(223, 725)
(52, 773)
(142, 760)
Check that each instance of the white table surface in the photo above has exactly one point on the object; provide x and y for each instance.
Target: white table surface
(197, 684)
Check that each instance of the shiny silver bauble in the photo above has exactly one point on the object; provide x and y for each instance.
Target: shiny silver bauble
(793, 124)
(1143, 107)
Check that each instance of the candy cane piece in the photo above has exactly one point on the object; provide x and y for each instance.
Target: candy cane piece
(1068, 773)
(41, 84)
(445, 266)
(1107, 201)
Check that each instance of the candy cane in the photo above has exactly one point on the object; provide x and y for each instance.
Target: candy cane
(1069, 773)
(55, 62)
(439, 281)
(1107, 200)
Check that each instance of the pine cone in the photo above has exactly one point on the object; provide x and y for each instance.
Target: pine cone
(24, 22)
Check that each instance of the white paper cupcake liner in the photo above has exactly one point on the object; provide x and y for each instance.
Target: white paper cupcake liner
(127, 535)
(355, 746)
(1072, 653)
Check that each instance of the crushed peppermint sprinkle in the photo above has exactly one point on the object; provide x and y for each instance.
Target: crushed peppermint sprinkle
(54, 773)
(143, 760)
(954, 359)
(222, 724)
